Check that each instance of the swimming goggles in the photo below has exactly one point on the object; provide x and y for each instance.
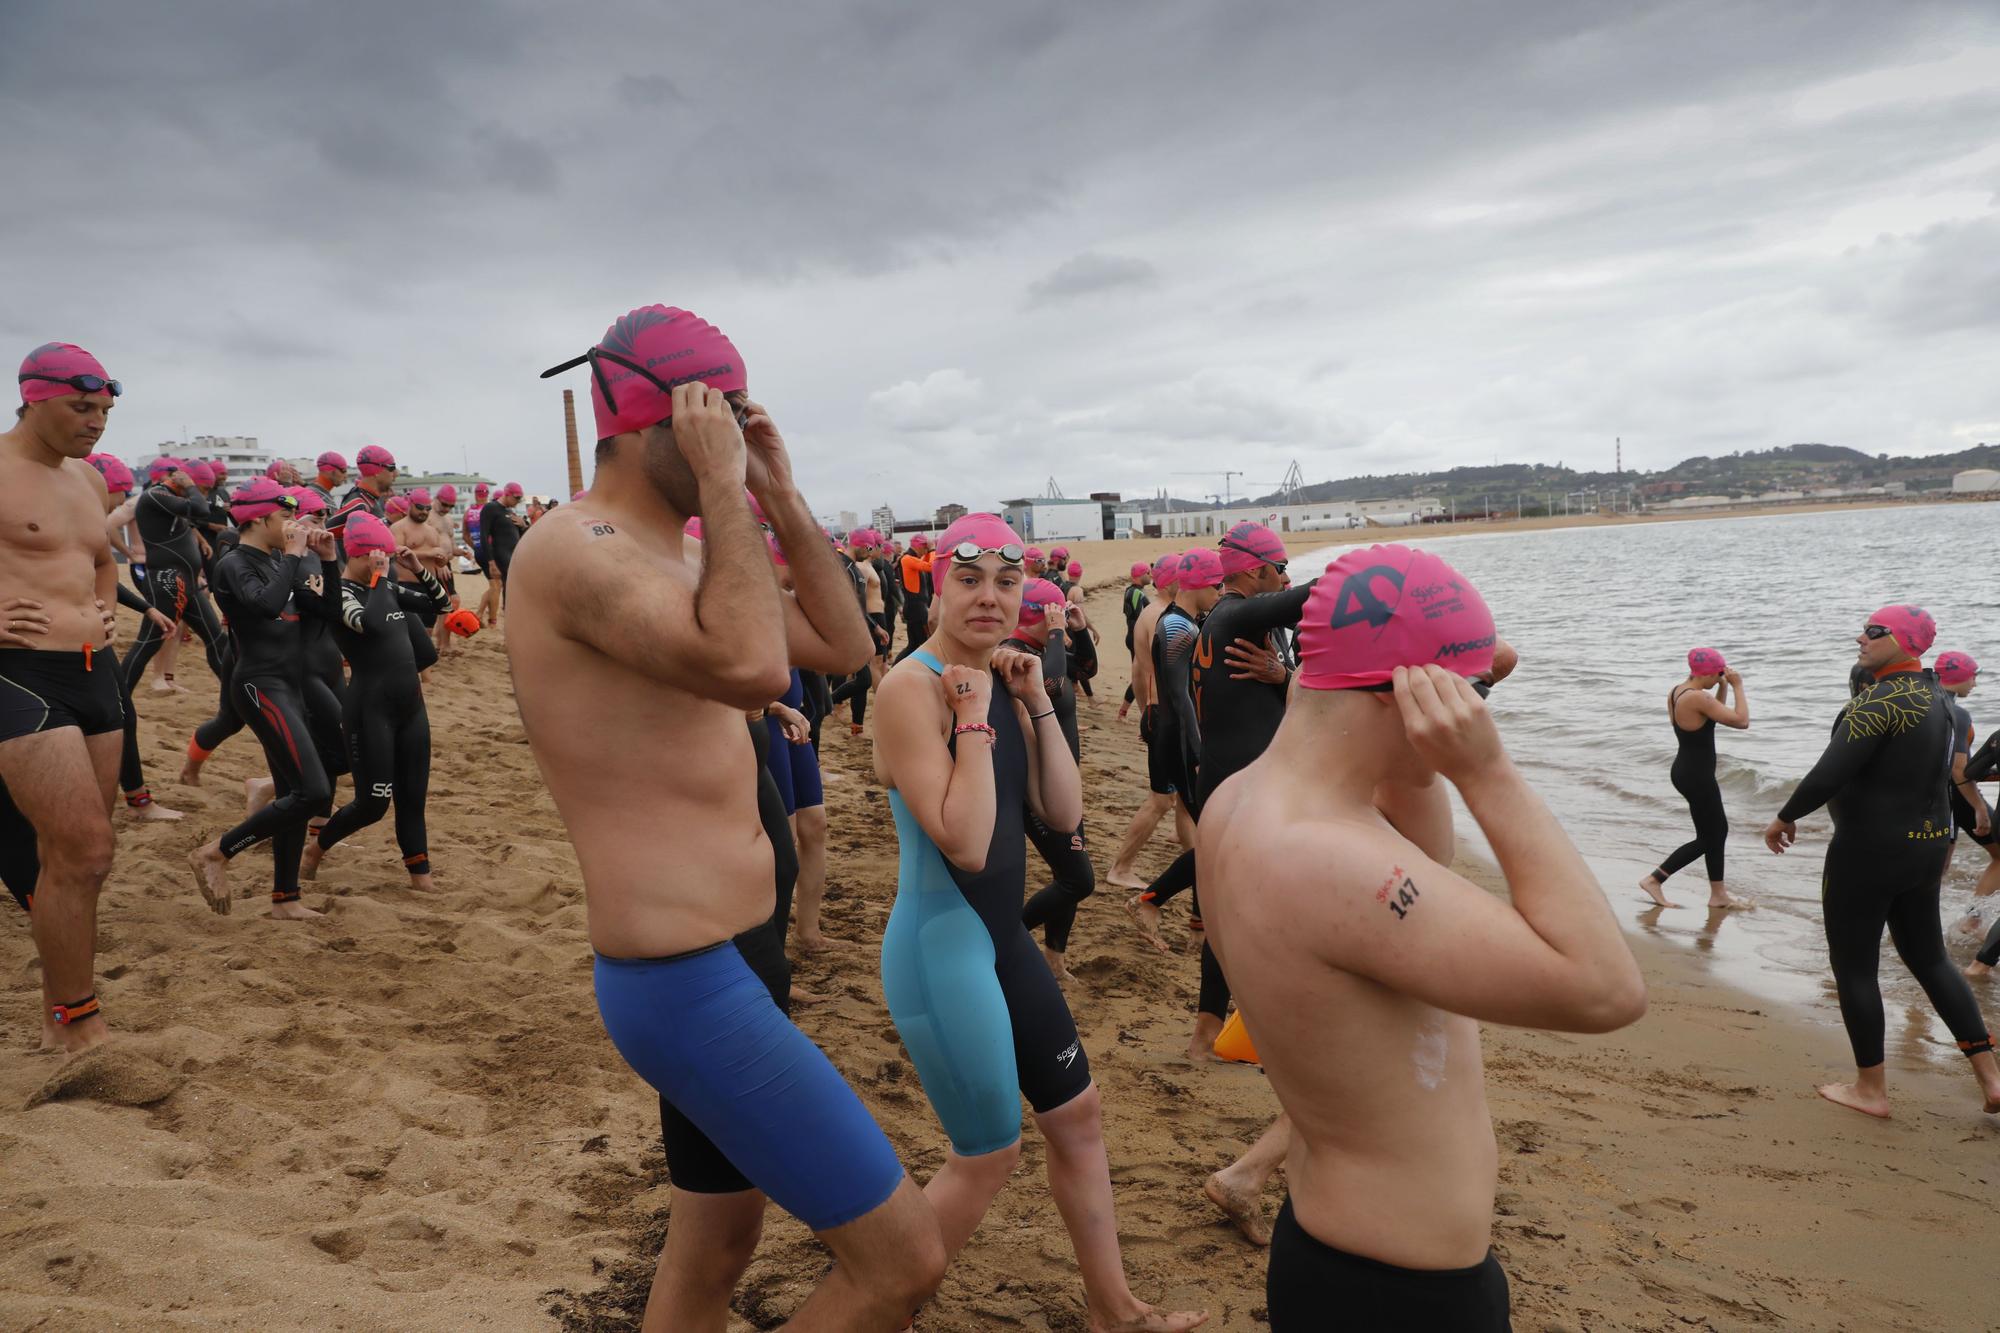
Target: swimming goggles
(966, 553)
(81, 383)
(597, 354)
(1877, 632)
(1278, 565)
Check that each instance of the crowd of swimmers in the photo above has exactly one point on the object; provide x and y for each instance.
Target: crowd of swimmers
(688, 607)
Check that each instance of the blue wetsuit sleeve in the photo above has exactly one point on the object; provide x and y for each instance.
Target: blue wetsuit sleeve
(1864, 725)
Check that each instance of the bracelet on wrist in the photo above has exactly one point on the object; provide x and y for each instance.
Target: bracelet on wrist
(962, 728)
(1037, 717)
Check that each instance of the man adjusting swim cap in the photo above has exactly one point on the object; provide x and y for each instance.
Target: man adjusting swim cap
(640, 359)
(1389, 606)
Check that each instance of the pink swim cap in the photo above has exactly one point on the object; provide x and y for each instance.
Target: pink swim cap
(1248, 545)
(672, 344)
(420, 496)
(479, 491)
(1140, 569)
(373, 458)
(1059, 555)
(511, 488)
(1389, 606)
(1035, 553)
(919, 543)
(1199, 568)
(1911, 627)
(277, 466)
(1075, 569)
(988, 531)
(1166, 571)
(221, 468)
(693, 528)
(331, 462)
(203, 474)
(65, 361)
(1956, 668)
(365, 534)
(864, 537)
(158, 469)
(396, 506)
(310, 500)
(1037, 595)
(260, 496)
(117, 477)
(447, 495)
(1705, 662)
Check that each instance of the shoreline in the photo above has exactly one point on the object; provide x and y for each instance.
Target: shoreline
(409, 1117)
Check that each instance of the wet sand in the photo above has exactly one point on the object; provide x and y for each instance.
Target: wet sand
(408, 1116)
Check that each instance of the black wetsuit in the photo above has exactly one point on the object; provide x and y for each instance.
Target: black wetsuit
(264, 595)
(325, 686)
(1964, 818)
(356, 501)
(1176, 737)
(1693, 776)
(1237, 718)
(892, 596)
(166, 523)
(854, 690)
(388, 729)
(497, 539)
(694, 1163)
(1053, 909)
(916, 602)
(1135, 606)
(1883, 778)
(1311, 1287)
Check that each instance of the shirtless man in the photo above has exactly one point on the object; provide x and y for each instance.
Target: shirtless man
(454, 547)
(1159, 765)
(624, 655)
(1348, 948)
(62, 721)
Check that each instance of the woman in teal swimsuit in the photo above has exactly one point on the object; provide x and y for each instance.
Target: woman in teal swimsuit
(967, 744)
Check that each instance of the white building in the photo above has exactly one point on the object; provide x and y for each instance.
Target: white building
(883, 520)
(1975, 481)
(242, 454)
(1046, 520)
(1319, 516)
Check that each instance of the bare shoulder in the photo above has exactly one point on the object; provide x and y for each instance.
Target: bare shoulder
(908, 679)
(570, 539)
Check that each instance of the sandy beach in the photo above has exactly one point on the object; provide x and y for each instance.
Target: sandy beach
(408, 1116)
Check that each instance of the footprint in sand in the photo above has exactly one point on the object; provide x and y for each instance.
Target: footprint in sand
(114, 1073)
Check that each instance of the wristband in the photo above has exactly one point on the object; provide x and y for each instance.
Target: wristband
(992, 737)
(1037, 717)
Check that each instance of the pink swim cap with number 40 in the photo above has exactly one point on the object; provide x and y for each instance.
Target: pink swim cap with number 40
(1389, 606)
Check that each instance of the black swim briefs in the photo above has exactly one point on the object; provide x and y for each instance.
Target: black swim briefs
(44, 691)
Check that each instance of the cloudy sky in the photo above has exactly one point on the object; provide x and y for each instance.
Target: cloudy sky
(966, 248)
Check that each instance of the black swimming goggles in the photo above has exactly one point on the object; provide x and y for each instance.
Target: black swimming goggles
(1278, 565)
(967, 553)
(81, 383)
(597, 354)
(1877, 632)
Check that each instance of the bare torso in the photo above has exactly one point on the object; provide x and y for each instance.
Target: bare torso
(51, 540)
(872, 589)
(423, 541)
(657, 785)
(1394, 1157)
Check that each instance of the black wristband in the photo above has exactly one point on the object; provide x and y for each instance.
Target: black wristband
(1037, 717)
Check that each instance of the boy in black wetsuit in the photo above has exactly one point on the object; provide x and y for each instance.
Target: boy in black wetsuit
(169, 511)
(278, 572)
(1885, 777)
(379, 625)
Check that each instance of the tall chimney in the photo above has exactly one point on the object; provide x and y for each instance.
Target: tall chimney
(569, 429)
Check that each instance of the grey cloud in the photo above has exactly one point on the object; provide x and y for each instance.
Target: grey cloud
(1090, 275)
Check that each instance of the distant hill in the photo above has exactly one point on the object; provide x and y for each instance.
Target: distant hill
(1790, 467)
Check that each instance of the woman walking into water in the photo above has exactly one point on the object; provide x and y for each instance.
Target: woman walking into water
(1694, 711)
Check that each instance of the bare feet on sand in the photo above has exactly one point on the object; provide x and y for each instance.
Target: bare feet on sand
(1148, 1320)
(1147, 918)
(422, 883)
(1854, 1097)
(1652, 888)
(1977, 970)
(74, 1038)
(1201, 1046)
(168, 685)
(1124, 877)
(1968, 924)
(152, 812)
(258, 793)
(294, 911)
(823, 944)
(211, 875)
(1729, 904)
(1056, 965)
(191, 772)
(309, 860)
(1244, 1207)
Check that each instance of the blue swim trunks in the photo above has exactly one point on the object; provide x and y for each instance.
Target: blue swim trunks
(704, 1031)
